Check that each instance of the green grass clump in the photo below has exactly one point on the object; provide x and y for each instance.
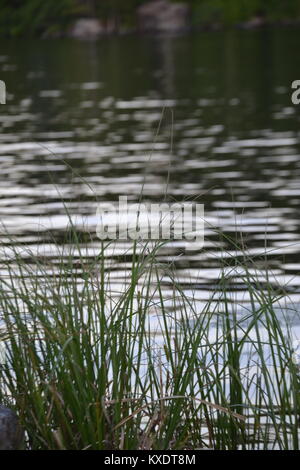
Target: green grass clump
(85, 369)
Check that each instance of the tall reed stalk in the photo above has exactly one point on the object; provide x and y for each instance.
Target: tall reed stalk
(85, 369)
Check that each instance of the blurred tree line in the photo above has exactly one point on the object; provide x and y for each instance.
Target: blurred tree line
(35, 17)
(235, 11)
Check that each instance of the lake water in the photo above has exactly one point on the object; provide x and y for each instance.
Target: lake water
(230, 137)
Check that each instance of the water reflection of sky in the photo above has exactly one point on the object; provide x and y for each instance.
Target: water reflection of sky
(232, 142)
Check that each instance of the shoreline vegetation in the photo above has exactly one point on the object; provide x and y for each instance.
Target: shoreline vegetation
(89, 362)
(84, 369)
(94, 18)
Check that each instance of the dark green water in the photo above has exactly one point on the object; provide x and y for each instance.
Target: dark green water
(96, 106)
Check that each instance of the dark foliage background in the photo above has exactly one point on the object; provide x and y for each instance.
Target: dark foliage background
(36, 17)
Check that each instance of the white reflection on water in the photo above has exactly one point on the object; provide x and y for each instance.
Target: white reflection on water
(247, 176)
